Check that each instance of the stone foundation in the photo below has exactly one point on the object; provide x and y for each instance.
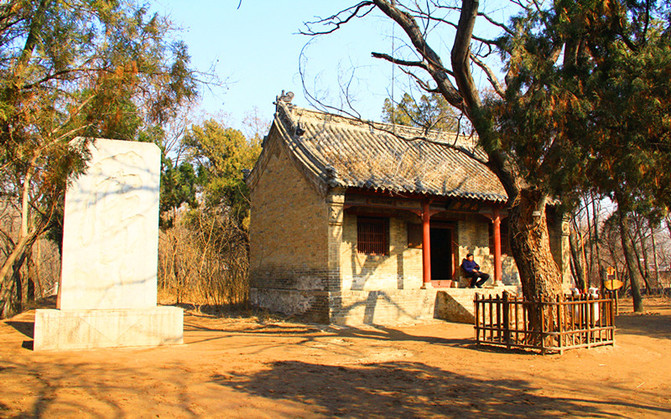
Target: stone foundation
(88, 329)
(456, 304)
(384, 307)
(309, 305)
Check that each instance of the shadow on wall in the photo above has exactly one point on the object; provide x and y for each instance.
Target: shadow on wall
(365, 267)
(405, 389)
(376, 301)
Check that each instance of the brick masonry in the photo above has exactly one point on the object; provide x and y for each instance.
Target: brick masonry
(288, 239)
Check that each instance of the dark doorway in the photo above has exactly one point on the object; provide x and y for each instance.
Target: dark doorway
(442, 264)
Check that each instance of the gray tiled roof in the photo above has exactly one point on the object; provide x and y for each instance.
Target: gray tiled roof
(350, 153)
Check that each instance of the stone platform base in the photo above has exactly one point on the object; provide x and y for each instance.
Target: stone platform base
(456, 304)
(87, 329)
(382, 307)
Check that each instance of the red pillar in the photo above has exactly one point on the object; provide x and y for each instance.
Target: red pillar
(497, 246)
(426, 243)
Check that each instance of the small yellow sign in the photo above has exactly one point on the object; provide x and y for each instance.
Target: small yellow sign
(613, 284)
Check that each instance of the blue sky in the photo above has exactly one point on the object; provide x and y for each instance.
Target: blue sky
(256, 47)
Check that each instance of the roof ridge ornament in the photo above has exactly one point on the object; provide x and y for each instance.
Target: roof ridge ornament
(285, 98)
(284, 109)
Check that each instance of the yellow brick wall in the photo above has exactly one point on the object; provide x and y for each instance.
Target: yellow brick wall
(401, 269)
(473, 237)
(288, 229)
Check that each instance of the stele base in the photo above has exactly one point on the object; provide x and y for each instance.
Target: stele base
(58, 330)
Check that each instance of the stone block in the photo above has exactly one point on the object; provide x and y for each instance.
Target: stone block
(110, 231)
(455, 307)
(107, 296)
(383, 307)
(87, 329)
(456, 304)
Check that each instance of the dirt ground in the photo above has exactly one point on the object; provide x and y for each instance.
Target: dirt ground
(246, 366)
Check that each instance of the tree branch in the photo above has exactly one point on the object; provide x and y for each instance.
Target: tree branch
(435, 67)
(422, 84)
(399, 61)
(336, 21)
(490, 75)
(461, 54)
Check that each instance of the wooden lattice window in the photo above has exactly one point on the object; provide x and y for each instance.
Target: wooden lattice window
(373, 235)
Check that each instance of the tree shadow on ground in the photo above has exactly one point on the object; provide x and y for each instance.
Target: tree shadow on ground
(87, 390)
(408, 389)
(311, 333)
(217, 310)
(654, 325)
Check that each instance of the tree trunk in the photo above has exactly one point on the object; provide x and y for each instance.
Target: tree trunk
(538, 270)
(630, 257)
(597, 243)
(654, 254)
(10, 277)
(539, 273)
(639, 238)
(575, 260)
(589, 263)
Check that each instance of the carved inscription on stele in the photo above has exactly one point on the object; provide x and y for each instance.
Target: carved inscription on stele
(111, 229)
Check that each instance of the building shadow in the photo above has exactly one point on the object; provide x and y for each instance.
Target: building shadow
(408, 389)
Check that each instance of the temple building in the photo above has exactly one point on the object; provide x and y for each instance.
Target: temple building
(359, 222)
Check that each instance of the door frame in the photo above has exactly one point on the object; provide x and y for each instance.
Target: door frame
(452, 226)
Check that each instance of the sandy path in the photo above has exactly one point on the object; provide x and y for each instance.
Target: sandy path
(245, 367)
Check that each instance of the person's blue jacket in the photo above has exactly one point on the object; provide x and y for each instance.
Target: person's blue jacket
(469, 265)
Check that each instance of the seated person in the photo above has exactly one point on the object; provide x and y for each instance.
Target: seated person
(472, 270)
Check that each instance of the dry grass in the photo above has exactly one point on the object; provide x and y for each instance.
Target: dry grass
(203, 260)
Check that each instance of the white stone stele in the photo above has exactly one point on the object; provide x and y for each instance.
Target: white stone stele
(110, 231)
(107, 294)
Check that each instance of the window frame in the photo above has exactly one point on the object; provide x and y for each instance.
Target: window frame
(372, 235)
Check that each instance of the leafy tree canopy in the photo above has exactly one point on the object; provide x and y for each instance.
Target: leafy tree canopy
(221, 154)
(89, 68)
(598, 117)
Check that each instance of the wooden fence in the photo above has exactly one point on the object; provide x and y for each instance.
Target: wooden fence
(568, 323)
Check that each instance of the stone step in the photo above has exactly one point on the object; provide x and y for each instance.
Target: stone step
(456, 304)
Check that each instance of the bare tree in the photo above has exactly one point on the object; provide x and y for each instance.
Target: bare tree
(454, 80)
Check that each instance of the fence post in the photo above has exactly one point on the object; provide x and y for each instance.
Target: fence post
(590, 319)
(490, 300)
(541, 307)
(499, 317)
(560, 320)
(613, 312)
(506, 319)
(477, 319)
